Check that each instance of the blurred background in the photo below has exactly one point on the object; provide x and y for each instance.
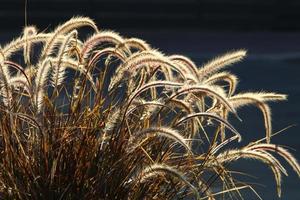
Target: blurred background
(202, 29)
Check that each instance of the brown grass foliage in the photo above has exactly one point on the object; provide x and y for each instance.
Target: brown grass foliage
(156, 129)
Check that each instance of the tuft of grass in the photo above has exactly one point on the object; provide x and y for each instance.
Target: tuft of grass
(108, 117)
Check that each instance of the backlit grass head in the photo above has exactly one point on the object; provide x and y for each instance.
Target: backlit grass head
(106, 117)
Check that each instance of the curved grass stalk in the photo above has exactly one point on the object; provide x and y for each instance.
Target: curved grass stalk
(190, 65)
(224, 76)
(145, 104)
(259, 100)
(209, 90)
(213, 116)
(152, 171)
(167, 132)
(143, 59)
(281, 151)
(245, 153)
(110, 51)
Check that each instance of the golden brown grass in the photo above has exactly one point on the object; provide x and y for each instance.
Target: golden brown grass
(70, 130)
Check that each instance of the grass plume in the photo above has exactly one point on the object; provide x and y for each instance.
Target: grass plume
(69, 130)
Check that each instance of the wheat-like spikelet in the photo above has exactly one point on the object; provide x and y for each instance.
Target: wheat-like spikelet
(259, 100)
(193, 70)
(43, 71)
(5, 91)
(28, 31)
(281, 151)
(110, 51)
(114, 118)
(97, 39)
(224, 76)
(156, 168)
(136, 43)
(209, 90)
(141, 59)
(136, 138)
(246, 153)
(18, 43)
(20, 82)
(58, 72)
(72, 24)
(73, 64)
(220, 62)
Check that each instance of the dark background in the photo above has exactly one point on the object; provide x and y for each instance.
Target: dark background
(201, 30)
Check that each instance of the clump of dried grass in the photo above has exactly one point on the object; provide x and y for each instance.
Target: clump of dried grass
(68, 131)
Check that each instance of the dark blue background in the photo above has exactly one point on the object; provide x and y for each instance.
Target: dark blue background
(201, 30)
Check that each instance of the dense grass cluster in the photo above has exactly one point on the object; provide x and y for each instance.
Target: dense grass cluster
(157, 128)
